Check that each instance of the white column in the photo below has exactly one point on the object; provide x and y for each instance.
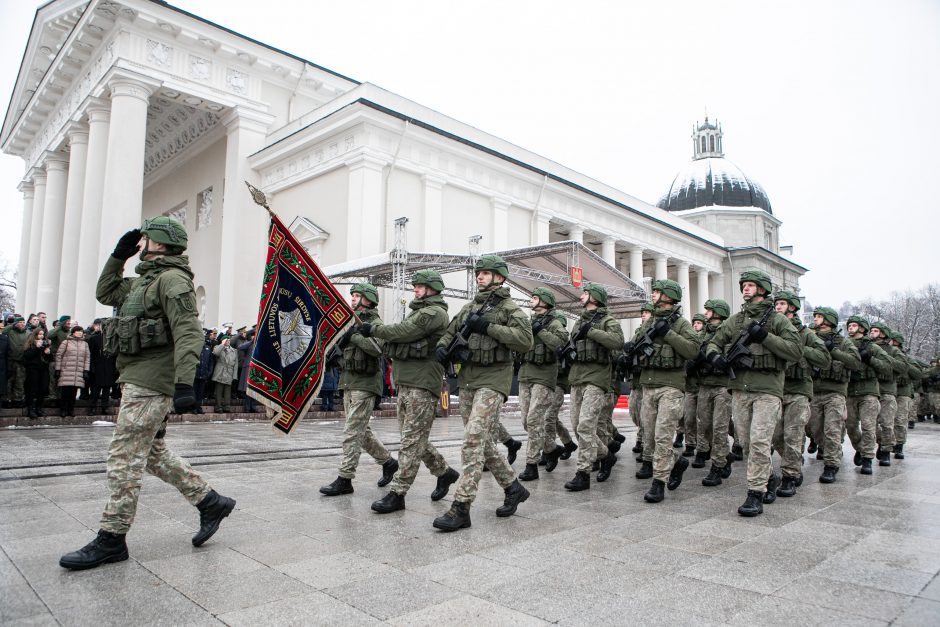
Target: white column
(90, 246)
(50, 258)
(122, 199)
(364, 206)
(68, 267)
(683, 276)
(26, 224)
(636, 275)
(608, 250)
(432, 213)
(662, 269)
(500, 208)
(541, 225)
(716, 287)
(577, 234)
(35, 240)
(244, 224)
(701, 288)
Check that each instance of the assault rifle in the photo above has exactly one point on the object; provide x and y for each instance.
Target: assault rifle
(740, 354)
(645, 345)
(458, 350)
(568, 354)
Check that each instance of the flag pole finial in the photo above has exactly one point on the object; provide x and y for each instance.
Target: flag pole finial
(259, 197)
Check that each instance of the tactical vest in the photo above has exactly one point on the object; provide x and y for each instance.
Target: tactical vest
(836, 372)
(867, 372)
(664, 357)
(589, 351)
(358, 361)
(485, 350)
(416, 350)
(889, 376)
(540, 354)
(799, 371)
(132, 331)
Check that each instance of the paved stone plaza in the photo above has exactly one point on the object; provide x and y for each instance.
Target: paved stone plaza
(865, 550)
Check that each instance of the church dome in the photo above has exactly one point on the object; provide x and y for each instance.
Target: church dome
(711, 180)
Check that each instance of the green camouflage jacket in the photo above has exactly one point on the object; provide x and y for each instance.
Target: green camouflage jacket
(410, 343)
(845, 361)
(361, 364)
(540, 365)
(864, 382)
(799, 376)
(666, 367)
(603, 344)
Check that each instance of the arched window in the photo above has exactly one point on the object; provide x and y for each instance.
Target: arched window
(704, 147)
(711, 141)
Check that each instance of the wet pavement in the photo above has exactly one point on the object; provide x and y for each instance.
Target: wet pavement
(864, 550)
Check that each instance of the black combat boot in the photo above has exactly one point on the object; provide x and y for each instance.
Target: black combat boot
(530, 473)
(391, 502)
(787, 487)
(655, 493)
(645, 471)
(31, 411)
(819, 452)
(607, 465)
(689, 451)
(857, 458)
(340, 485)
(457, 517)
(737, 452)
(570, 448)
(542, 460)
(884, 458)
(898, 451)
(637, 447)
(389, 468)
(910, 424)
(753, 505)
(512, 447)
(680, 438)
(713, 477)
(212, 510)
(614, 446)
(675, 475)
(866, 466)
(772, 484)
(443, 484)
(581, 481)
(812, 446)
(105, 548)
(515, 494)
(799, 480)
(551, 458)
(726, 470)
(621, 438)
(700, 458)
(828, 475)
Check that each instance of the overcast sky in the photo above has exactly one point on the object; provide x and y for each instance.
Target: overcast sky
(833, 107)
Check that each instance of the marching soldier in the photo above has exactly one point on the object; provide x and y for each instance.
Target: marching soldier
(497, 327)
(905, 395)
(830, 386)
(714, 401)
(538, 377)
(597, 338)
(888, 385)
(606, 431)
(636, 401)
(553, 425)
(770, 341)
(155, 379)
(690, 404)
(410, 344)
(663, 380)
(361, 380)
(864, 389)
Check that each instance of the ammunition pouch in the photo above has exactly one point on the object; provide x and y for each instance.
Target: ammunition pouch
(837, 372)
(764, 360)
(540, 355)
(357, 361)
(130, 335)
(409, 351)
(664, 357)
(485, 350)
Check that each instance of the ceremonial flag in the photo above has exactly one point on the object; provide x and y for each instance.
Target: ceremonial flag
(301, 316)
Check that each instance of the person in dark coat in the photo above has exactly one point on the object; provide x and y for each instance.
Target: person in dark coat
(245, 349)
(5, 371)
(37, 355)
(328, 389)
(204, 370)
(102, 371)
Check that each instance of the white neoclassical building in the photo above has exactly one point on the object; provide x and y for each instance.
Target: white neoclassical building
(126, 110)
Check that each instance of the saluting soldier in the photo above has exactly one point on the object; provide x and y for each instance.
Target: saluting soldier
(497, 327)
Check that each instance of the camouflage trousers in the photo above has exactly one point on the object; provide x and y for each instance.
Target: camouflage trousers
(500, 434)
(553, 425)
(690, 418)
(889, 409)
(479, 410)
(648, 427)
(416, 408)
(756, 416)
(357, 434)
(790, 433)
(861, 423)
(713, 415)
(16, 383)
(535, 402)
(135, 448)
(605, 424)
(588, 403)
(901, 418)
(827, 420)
(662, 410)
(636, 408)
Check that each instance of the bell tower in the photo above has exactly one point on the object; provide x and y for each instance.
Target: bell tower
(707, 140)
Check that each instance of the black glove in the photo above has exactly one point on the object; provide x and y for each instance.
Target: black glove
(660, 328)
(865, 353)
(366, 329)
(718, 362)
(440, 353)
(629, 347)
(830, 341)
(127, 246)
(537, 325)
(756, 332)
(478, 324)
(583, 331)
(184, 398)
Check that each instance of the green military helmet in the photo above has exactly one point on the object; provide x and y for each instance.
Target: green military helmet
(561, 318)
(897, 337)
(721, 307)
(597, 292)
(792, 299)
(494, 264)
(670, 288)
(648, 307)
(860, 321)
(829, 314)
(366, 289)
(883, 327)
(429, 278)
(165, 231)
(761, 278)
(700, 318)
(545, 295)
